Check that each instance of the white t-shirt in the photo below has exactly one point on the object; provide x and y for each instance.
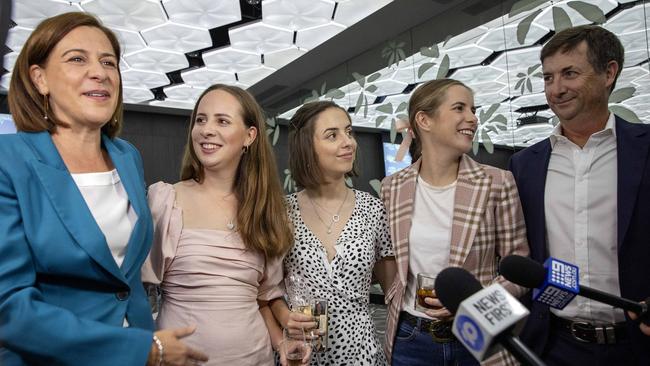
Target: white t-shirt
(430, 235)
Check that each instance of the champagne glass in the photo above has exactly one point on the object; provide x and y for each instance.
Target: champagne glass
(295, 349)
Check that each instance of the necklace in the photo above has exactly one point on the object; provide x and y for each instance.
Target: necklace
(230, 225)
(335, 217)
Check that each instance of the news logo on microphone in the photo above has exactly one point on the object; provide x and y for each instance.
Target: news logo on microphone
(482, 317)
(560, 285)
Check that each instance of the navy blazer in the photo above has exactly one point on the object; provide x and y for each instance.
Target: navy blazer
(63, 298)
(529, 168)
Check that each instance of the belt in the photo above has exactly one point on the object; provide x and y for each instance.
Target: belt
(589, 333)
(439, 330)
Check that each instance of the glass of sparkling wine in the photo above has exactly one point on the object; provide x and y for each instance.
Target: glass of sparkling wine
(295, 348)
(425, 288)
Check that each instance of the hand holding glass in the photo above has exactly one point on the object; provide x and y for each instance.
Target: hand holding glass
(295, 350)
(425, 288)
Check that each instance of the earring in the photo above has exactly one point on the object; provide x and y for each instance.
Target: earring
(46, 106)
(245, 149)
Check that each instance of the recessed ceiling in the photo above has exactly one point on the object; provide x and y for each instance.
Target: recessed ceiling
(177, 46)
(506, 74)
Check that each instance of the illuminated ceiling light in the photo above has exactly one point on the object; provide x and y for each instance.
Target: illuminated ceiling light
(297, 14)
(173, 103)
(252, 76)
(351, 11)
(183, 92)
(478, 74)
(157, 60)
(503, 38)
(517, 60)
(204, 13)
(466, 55)
(279, 59)
(139, 78)
(16, 37)
(231, 60)
(178, 37)
(123, 65)
(545, 18)
(9, 60)
(5, 81)
(260, 38)
(129, 14)
(137, 95)
(633, 58)
(130, 41)
(628, 20)
(203, 77)
(531, 99)
(310, 38)
(28, 13)
(488, 99)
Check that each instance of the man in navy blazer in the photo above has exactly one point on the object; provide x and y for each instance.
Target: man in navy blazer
(585, 193)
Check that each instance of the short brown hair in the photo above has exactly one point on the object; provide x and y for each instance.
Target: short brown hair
(602, 47)
(262, 218)
(25, 102)
(303, 161)
(427, 98)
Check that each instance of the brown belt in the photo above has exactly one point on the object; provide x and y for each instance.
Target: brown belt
(589, 333)
(440, 331)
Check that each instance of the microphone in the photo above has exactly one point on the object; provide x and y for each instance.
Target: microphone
(556, 284)
(484, 317)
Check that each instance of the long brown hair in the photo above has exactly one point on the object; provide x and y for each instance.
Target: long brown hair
(261, 215)
(25, 102)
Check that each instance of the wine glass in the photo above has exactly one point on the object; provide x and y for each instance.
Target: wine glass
(295, 349)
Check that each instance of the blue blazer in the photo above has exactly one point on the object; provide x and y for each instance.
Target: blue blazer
(63, 298)
(529, 168)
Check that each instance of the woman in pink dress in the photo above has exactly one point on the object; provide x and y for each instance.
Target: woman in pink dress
(220, 233)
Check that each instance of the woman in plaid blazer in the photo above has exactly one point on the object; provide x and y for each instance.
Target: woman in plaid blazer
(445, 210)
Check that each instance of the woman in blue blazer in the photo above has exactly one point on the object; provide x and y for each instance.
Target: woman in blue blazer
(74, 223)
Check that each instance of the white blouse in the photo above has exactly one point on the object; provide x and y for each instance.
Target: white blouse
(110, 206)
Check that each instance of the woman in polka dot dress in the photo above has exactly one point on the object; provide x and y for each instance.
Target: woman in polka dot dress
(341, 237)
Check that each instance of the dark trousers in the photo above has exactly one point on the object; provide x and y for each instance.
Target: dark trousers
(416, 348)
(564, 350)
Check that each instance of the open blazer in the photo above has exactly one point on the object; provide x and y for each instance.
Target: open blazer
(487, 224)
(530, 166)
(63, 298)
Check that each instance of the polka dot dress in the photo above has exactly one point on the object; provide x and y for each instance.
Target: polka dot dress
(345, 282)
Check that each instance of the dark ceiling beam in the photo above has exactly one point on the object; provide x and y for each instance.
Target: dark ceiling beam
(281, 88)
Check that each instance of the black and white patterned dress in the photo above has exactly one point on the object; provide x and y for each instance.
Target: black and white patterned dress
(345, 282)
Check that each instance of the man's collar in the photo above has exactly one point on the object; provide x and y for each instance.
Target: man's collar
(557, 134)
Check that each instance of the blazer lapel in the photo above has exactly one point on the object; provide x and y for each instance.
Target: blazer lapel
(68, 202)
(128, 172)
(401, 207)
(472, 191)
(532, 191)
(632, 151)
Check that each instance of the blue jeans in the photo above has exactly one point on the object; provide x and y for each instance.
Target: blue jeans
(415, 348)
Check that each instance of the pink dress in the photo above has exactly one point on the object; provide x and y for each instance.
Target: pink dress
(209, 279)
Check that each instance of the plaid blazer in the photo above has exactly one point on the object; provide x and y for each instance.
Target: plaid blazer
(487, 224)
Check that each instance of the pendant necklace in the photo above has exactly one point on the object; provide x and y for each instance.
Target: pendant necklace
(230, 225)
(334, 217)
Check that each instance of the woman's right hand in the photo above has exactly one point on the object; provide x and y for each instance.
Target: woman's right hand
(175, 352)
(299, 322)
